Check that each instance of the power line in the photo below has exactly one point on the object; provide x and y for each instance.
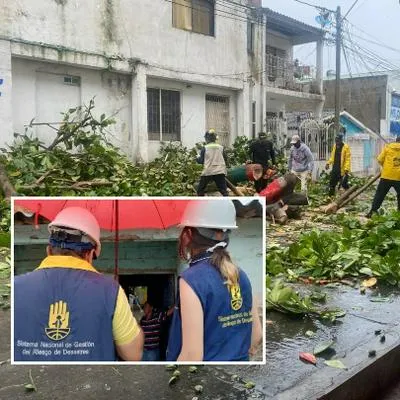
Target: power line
(219, 12)
(312, 5)
(347, 62)
(348, 12)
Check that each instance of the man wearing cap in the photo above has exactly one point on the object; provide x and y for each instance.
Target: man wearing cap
(340, 160)
(67, 311)
(301, 161)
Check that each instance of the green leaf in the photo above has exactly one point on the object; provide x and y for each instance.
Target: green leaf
(249, 385)
(335, 364)
(30, 388)
(173, 380)
(366, 271)
(323, 346)
(198, 388)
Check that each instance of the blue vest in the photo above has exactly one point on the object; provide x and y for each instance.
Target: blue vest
(227, 316)
(64, 314)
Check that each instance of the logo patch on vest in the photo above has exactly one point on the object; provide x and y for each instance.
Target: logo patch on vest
(58, 327)
(236, 298)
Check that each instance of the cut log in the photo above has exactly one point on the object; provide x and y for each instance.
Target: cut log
(336, 205)
(345, 195)
(362, 189)
(233, 188)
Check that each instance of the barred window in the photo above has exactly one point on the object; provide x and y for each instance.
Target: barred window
(163, 115)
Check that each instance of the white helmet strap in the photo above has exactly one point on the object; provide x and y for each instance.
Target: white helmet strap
(220, 244)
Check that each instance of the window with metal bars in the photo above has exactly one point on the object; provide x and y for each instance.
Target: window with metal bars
(276, 62)
(163, 114)
(194, 15)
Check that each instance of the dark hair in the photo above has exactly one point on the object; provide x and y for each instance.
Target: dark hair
(58, 251)
(191, 241)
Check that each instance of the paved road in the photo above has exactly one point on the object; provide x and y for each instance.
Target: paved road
(103, 382)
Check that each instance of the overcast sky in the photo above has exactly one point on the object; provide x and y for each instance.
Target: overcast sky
(378, 18)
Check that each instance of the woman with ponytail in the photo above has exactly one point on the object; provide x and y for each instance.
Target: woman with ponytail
(216, 318)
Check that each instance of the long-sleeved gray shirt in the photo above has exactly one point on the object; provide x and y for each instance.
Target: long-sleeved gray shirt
(301, 159)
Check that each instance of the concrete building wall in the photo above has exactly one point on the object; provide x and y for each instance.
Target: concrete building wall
(39, 93)
(131, 29)
(114, 52)
(365, 98)
(280, 41)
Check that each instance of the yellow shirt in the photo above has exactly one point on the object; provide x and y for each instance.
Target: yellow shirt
(390, 161)
(345, 162)
(124, 325)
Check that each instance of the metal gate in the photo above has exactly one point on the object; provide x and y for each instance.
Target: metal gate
(318, 137)
(217, 117)
(277, 127)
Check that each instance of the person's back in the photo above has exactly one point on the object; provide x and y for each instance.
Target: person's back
(214, 162)
(390, 160)
(74, 308)
(262, 150)
(227, 318)
(67, 311)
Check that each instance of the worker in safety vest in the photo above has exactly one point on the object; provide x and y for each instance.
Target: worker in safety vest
(390, 175)
(216, 317)
(340, 160)
(214, 159)
(67, 311)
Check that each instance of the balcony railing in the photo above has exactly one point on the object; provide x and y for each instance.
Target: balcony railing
(285, 74)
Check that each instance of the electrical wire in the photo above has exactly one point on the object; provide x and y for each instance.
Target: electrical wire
(312, 5)
(348, 12)
(219, 12)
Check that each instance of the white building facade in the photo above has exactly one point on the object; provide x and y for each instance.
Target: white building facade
(289, 86)
(166, 70)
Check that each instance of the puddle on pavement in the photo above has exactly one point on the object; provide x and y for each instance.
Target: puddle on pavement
(286, 336)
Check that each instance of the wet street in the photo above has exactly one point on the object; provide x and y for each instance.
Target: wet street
(353, 336)
(117, 382)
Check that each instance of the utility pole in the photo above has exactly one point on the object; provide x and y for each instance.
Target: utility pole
(338, 62)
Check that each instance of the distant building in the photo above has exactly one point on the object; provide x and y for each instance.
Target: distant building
(373, 99)
(364, 144)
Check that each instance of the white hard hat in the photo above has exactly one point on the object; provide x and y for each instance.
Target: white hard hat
(211, 214)
(79, 219)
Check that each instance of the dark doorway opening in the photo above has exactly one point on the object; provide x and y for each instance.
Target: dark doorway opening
(158, 290)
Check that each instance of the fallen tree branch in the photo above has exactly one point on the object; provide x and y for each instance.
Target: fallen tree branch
(6, 186)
